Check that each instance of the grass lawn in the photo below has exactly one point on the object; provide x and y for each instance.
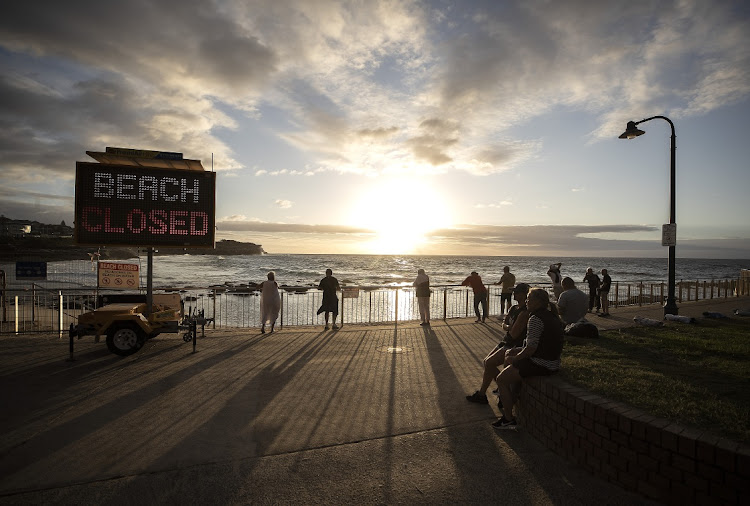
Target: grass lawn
(694, 374)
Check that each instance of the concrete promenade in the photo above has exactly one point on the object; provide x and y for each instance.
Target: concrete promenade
(366, 414)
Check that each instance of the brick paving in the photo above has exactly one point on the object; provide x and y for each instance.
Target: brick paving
(373, 414)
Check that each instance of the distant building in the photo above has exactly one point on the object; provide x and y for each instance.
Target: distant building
(23, 228)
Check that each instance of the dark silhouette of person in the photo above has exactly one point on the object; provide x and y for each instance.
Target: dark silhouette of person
(480, 295)
(329, 286)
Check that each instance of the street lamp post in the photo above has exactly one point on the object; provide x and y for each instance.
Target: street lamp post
(632, 131)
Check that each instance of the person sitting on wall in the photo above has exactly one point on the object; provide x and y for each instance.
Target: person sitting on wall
(539, 355)
(572, 303)
(515, 327)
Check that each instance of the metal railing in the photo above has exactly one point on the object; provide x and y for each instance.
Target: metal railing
(40, 309)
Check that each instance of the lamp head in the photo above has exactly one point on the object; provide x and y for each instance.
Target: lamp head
(632, 131)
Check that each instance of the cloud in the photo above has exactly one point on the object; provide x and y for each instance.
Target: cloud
(494, 205)
(283, 204)
(296, 228)
(363, 88)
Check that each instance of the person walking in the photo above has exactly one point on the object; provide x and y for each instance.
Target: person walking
(270, 302)
(508, 280)
(593, 280)
(604, 292)
(556, 277)
(330, 305)
(423, 296)
(480, 295)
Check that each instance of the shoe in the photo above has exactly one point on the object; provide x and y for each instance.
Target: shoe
(504, 423)
(326, 327)
(477, 320)
(483, 319)
(423, 324)
(478, 398)
(335, 327)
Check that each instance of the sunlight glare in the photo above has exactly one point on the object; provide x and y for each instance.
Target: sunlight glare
(401, 212)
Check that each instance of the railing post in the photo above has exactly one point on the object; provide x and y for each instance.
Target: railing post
(640, 293)
(712, 288)
(466, 309)
(679, 296)
(60, 302)
(445, 303)
(33, 302)
(16, 315)
(617, 293)
(281, 307)
(370, 317)
(628, 296)
(214, 307)
(342, 308)
(396, 310)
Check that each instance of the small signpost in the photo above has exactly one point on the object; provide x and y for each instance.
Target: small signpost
(118, 275)
(350, 292)
(669, 234)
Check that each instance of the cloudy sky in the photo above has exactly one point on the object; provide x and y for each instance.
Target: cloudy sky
(433, 127)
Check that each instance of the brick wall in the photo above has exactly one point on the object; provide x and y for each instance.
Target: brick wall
(652, 456)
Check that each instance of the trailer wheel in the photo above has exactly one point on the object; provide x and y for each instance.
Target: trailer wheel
(125, 339)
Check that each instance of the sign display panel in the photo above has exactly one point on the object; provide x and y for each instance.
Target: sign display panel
(118, 275)
(144, 206)
(31, 270)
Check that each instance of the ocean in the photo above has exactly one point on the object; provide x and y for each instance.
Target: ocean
(383, 270)
(400, 270)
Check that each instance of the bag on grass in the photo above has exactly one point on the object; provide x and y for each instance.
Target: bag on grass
(582, 329)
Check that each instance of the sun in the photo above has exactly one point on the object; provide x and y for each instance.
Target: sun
(401, 212)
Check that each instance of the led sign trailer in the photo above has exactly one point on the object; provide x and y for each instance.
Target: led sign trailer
(144, 206)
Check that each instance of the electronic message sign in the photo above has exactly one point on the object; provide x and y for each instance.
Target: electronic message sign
(144, 206)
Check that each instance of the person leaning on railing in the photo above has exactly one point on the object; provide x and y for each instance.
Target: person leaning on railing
(539, 355)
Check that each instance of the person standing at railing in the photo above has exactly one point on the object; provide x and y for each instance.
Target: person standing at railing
(593, 280)
(480, 295)
(329, 286)
(270, 302)
(604, 292)
(556, 277)
(423, 296)
(508, 280)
